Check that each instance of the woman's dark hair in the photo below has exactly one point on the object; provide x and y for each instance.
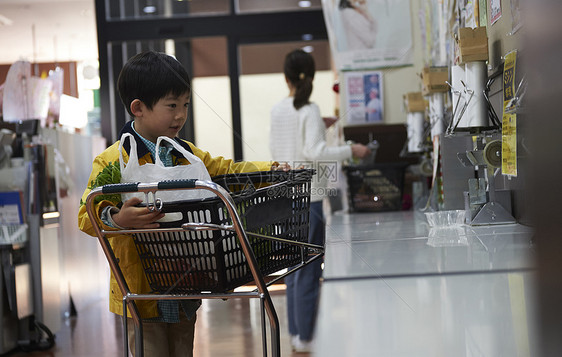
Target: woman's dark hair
(346, 4)
(299, 70)
(149, 77)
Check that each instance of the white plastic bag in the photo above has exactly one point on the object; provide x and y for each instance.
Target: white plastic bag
(133, 172)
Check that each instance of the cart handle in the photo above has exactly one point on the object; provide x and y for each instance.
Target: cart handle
(134, 186)
(182, 183)
(120, 187)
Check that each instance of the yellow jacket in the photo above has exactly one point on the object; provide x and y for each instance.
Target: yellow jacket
(123, 245)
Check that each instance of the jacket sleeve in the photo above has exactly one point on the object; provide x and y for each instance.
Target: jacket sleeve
(219, 165)
(313, 132)
(84, 223)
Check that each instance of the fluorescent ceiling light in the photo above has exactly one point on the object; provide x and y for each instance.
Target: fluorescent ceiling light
(305, 3)
(149, 9)
(308, 49)
(50, 215)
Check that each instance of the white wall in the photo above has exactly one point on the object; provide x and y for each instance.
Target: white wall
(48, 31)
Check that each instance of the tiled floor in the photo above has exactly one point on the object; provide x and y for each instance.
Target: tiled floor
(224, 328)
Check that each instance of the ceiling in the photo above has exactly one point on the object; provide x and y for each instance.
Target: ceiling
(65, 30)
(47, 31)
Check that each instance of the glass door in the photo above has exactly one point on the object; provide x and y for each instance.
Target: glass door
(262, 85)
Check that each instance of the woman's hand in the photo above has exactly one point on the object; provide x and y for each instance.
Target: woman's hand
(360, 150)
(130, 216)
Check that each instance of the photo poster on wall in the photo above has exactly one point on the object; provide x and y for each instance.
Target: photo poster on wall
(364, 97)
(495, 11)
(369, 34)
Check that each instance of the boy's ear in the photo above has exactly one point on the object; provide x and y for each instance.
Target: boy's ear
(137, 107)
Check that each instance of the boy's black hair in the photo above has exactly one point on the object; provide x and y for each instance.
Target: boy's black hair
(346, 4)
(150, 76)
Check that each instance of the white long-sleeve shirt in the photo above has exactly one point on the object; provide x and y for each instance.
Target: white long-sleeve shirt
(299, 138)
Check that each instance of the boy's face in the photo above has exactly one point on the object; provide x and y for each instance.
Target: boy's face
(166, 118)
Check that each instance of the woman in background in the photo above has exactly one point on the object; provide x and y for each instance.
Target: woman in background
(298, 137)
(359, 25)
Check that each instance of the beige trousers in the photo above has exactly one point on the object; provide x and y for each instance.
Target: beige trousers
(165, 340)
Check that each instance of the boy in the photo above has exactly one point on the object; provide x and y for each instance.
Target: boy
(155, 89)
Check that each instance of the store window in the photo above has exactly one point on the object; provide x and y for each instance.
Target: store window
(146, 9)
(212, 109)
(262, 85)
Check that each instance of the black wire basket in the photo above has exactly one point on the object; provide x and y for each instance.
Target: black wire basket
(273, 203)
(375, 188)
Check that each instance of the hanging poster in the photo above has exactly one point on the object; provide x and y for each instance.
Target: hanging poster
(509, 119)
(364, 97)
(442, 46)
(495, 11)
(483, 12)
(368, 34)
(25, 96)
(515, 16)
(468, 13)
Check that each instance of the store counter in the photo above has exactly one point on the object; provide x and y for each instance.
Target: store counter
(393, 286)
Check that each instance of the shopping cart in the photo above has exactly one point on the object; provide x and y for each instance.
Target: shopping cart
(205, 252)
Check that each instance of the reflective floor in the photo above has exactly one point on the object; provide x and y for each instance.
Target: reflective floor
(224, 328)
(393, 286)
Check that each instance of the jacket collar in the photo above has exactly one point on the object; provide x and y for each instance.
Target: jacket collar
(141, 148)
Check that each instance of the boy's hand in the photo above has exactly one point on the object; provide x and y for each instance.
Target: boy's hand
(131, 216)
(281, 167)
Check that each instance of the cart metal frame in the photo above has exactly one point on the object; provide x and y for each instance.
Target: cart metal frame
(154, 203)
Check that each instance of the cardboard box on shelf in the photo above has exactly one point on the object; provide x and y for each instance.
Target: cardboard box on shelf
(434, 79)
(472, 45)
(414, 102)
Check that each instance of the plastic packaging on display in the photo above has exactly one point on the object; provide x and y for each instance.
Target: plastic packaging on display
(436, 113)
(445, 218)
(477, 111)
(458, 75)
(415, 131)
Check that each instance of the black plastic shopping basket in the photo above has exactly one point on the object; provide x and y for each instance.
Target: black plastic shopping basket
(207, 260)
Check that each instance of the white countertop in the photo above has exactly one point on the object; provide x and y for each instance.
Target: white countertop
(394, 287)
